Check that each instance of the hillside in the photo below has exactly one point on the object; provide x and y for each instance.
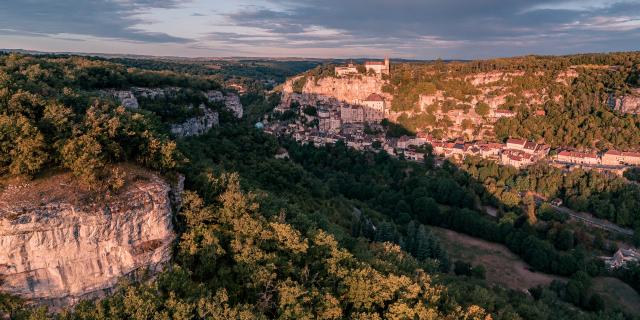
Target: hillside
(566, 102)
(270, 228)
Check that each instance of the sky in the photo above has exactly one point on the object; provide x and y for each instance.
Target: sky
(412, 29)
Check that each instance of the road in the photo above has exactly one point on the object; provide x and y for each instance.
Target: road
(591, 220)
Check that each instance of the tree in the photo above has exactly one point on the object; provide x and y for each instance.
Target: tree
(478, 271)
(596, 303)
(83, 155)
(22, 146)
(530, 205)
(482, 109)
(461, 268)
(564, 240)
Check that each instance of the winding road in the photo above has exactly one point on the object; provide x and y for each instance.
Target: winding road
(591, 220)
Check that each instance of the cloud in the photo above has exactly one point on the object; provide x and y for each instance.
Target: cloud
(415, 27)
(116, 19)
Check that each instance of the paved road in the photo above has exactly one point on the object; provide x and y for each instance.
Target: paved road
(589, 219)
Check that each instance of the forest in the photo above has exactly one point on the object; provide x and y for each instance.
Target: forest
(330, 233)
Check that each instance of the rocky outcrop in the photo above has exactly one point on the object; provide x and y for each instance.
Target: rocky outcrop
(485, 78)
(153, 93)
(629, 103)
(197, 125)
(126, 99)
(58, 245)
(346, 89)
(231, 101)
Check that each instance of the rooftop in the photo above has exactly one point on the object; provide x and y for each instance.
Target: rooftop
(374, 97)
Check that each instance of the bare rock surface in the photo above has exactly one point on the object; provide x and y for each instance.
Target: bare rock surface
(126, 98)
(197, 125)
(629, 103)
(60, 243)
(231, 101)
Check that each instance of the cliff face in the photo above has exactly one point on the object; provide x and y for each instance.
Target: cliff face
(629, 103)
(197, 125)
(231, 101)
(346, 89)
(59, 245)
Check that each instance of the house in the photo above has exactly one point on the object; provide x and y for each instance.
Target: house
(577, 157)
(516, 144)
(282, 153)
(615, 157)
(631, 158)
(516, 158)
(490, 149)
(612, 158)
(621, 258)
(351, 114)
(378, 67)
(374, 108)
(412, 154)
(346, 70)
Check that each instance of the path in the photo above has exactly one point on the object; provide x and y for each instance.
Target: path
(591, 220)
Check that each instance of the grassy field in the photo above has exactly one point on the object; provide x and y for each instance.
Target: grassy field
(506, 269)
(503, 267)
(615, 291)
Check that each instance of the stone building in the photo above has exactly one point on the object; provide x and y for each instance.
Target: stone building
(577, 157)
(374, 108)
(614, 157)
(351, 114)
(379, 67)
(346, 70)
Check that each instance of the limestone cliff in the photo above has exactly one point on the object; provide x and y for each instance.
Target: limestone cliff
(346, 89)
(629, 103)
(197, 125)
(59, 244)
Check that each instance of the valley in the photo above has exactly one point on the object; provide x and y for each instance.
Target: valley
(326, 195)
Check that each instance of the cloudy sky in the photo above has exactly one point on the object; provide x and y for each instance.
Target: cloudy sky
(427, 29)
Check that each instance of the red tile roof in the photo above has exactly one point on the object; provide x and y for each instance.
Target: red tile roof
(574, 154)
(516, 141)
(613, 153)
(374, 97)
(631, 154)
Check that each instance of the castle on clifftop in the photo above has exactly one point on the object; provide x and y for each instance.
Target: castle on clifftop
(378, 67)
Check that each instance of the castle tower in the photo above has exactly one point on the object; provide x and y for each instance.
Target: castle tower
(387, 65)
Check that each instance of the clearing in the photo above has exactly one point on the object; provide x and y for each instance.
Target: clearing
(507, 269)
(503, 266)
(615, 291)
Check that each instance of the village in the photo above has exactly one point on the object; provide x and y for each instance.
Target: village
(322, 119)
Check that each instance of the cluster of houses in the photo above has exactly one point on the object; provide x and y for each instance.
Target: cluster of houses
(609, 158)
(516, 152)
(339, 122)
(357, 124)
